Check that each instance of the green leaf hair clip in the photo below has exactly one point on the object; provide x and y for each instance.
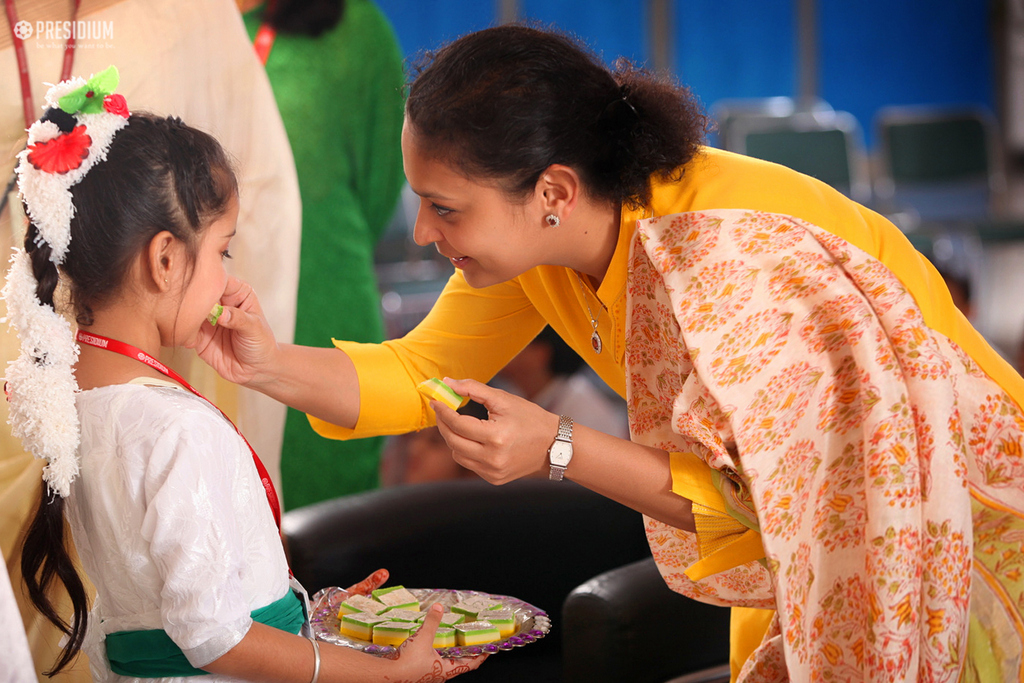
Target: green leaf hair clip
(89, 98)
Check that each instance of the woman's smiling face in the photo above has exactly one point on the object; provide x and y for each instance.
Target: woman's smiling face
(489, 238)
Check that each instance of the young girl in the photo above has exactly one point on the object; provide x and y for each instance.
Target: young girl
(166, 505)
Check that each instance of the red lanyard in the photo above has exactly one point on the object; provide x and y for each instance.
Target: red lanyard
(19, 49)
(264, 42)
(101, 342)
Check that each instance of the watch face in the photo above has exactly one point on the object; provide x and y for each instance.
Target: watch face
(561, 453)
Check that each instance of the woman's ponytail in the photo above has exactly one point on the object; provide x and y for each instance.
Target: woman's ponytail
(669, 129)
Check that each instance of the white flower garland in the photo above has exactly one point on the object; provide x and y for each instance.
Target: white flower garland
(40, 383)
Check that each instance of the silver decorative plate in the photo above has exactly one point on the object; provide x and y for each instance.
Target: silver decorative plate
(531, 623)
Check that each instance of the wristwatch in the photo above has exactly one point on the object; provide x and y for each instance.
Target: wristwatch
(560, 452)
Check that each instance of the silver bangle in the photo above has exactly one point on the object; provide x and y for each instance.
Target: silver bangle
(316, 659)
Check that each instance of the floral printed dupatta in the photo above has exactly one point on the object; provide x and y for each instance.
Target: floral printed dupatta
(881, 466)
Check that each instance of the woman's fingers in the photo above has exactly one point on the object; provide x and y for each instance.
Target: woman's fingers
(487, 396)
(240, 344)
(239, 294)
(464, 426)
(510, 444)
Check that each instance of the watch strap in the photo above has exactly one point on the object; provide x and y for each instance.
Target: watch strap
(564, 428)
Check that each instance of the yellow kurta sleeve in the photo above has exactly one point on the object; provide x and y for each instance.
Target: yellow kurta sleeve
(469, 334)
(723, 540)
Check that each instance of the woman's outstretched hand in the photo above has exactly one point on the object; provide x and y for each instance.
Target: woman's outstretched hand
(241, 344)
(417, 655)
(510, 444)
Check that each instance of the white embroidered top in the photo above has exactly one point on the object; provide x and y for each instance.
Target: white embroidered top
(171, 522)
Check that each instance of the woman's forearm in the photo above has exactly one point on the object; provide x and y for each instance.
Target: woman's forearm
(320, 381)
(513, 442)
(637, 476)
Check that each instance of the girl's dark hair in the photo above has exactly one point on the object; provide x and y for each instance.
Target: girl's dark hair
(505, 103)
(159, 175)
(304, 17)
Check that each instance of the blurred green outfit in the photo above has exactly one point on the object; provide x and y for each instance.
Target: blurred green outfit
(341, 99)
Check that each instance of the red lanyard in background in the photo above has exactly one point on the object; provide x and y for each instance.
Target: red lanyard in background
(265, 36)
(19, 49)
(101, 342)
(264, 42)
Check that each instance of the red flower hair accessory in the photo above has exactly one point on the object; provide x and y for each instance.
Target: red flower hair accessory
(116, 104)
(61, 154)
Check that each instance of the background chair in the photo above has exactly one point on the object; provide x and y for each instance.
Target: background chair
(535, 540)
(728, 112)
(627, 625)
(940, 164)
(827, 145)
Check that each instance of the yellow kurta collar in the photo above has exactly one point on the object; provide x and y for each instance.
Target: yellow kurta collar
(613, 286)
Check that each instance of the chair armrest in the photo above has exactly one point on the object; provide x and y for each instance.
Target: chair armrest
(626, 624)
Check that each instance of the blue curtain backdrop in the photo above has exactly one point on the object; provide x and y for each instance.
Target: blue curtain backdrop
(872, 53)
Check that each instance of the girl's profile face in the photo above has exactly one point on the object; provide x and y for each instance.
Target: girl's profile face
(209, 276)
(490, 239)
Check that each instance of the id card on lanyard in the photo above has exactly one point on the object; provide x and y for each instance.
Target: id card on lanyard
(303, 596)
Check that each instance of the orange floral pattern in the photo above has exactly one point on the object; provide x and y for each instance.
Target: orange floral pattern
(883, 467)
(729, 284)
(995, 436)
(784, 503)
(832, 324)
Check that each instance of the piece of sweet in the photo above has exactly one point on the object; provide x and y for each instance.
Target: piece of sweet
(359, 625)
(215, 314)
(475, 604)
(396, 597)
(444, 637)
(504, 619)
(437, 390)
(476, 633)
(393, 632)
(360, 603)
(452, 618)
(398, 614)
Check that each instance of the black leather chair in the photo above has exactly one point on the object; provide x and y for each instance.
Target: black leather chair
(535, 540)
(628, 625)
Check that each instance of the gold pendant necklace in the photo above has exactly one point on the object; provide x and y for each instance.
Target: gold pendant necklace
(595, 338)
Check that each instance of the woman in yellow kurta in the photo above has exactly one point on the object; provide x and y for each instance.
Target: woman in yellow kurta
(813, 424)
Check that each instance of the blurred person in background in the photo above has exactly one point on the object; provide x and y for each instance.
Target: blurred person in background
(336, 71)
(552, 375)
(423, 456)
(16, 666)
